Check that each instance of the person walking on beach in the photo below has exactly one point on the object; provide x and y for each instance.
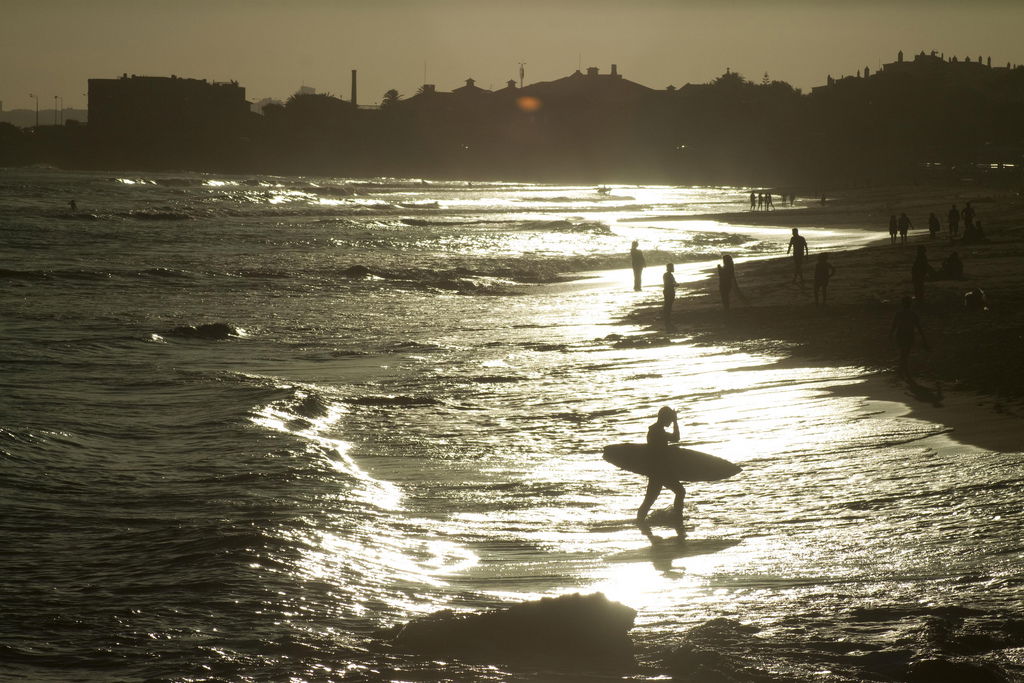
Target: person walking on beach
(657, 444)
(904, 324)
(753, 200)
(893, 228)
(727, 280)
(953, 218)
(904, 226)
(933, 225)
(760, 200)
(768, 202)
(823, 272)
(637, 258)
(798, 245)
(968, 216)
(669, 292)
(919, 272)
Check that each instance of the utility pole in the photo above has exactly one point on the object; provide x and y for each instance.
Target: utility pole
(37, 108)
(55, 110)
(522, 73)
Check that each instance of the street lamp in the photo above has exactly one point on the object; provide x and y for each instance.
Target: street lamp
(55, 110)
(37, 108)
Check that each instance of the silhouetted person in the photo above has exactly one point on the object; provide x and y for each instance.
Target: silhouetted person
(933, 225)
(760, 200)
(953, 218)
(968, 216)
(669, 292)
(798, 245)
(975, 300)
(727, 280)
(638, 260)
(768, 201)
(974, 233)
(823, 272)
(73, 205)
(792, 198)
(893, 229)
(903, 327)
(753, 200)
(952, 267)
(919, 272)
(904, 226)
(657, 444)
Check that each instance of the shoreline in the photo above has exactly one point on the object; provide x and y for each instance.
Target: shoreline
(971, 380)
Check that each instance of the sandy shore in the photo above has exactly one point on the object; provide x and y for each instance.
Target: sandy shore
(976, 358)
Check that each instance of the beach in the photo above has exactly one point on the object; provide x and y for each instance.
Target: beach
(250, 423)
(974, 357)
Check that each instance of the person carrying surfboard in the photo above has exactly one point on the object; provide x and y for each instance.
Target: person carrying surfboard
(657, 443)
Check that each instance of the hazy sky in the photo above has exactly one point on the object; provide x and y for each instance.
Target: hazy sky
(271, 47)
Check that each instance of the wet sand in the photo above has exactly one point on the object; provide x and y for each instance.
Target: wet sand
(971, 378)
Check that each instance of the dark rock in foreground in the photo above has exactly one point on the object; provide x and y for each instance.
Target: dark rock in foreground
(572, 629)
(210, 331)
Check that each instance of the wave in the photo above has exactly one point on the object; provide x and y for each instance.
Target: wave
(157, 215)
(394, 401)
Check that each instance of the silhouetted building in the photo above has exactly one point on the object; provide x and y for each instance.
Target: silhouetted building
(142, 106)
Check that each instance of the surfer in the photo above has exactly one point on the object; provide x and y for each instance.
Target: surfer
(657, 442)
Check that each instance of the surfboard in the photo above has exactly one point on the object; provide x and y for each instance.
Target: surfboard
(676, 462)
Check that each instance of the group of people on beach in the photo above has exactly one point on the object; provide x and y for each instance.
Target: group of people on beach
(972, 230)
(727, 282)
(762, 201)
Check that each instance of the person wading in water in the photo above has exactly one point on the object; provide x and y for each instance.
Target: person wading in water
(657, 444)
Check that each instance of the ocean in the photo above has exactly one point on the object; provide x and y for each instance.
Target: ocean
(249, 421)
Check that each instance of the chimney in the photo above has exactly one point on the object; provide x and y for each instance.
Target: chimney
(354, 102)
(615, 69)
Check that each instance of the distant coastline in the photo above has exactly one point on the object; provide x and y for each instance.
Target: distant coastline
(923, 119)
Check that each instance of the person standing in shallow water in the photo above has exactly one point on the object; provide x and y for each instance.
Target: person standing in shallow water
(904, 324)
(893, 229)
(727, 280)
(669, 280)
(798, 245)
(823, 272)
(657, 445)
(954, 222)
(637, 258)
(933, 226)
(904, 226)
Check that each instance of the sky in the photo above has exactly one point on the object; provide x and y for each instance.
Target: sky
(271, 47)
